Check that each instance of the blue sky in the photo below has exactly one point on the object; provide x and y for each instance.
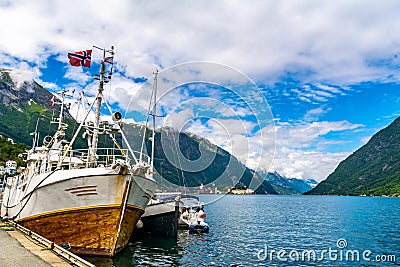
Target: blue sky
(327, 71)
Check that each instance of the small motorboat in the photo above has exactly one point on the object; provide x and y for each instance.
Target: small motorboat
(198, 225)
(192, 215)
(198, 228)
(161, 215)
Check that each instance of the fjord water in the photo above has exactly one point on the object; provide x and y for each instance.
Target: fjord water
(244, 231)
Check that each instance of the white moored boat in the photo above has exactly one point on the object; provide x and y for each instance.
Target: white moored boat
(161, 215)
(88, 200)
(192, 214)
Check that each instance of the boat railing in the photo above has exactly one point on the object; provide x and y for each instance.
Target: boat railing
(77, 158)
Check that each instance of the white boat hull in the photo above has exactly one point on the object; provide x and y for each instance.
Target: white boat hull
(160, 219)
(159, 208)
(84, 208)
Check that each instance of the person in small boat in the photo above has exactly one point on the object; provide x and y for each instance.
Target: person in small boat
(200, 215)
(199, 224)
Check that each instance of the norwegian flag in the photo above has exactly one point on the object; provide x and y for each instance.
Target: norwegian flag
(80, 58)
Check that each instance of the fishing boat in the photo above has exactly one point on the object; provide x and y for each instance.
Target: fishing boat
(88, 200)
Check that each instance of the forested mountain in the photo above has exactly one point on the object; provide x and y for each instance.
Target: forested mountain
(374, 169)
(11, 151)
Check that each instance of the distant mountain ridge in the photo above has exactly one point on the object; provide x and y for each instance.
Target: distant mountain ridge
(14, 93)
(288, 186)
(374, 169)
(23, 105)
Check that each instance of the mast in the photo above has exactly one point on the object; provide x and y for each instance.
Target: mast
(154, 120)
(102, 79)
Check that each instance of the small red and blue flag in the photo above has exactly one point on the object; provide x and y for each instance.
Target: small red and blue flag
(80, 58)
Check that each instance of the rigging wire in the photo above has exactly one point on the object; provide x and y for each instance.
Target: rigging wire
(185, 186)
(146, 124)
(115, 143)
(77, 114)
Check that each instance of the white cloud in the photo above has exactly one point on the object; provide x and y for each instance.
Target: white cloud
(23, 73)
(48, 85)
(306, 164)
(314, 114)
(179, 120)
(306, 134)
(260, 153)
(77, 75)
(256, 150)
(123, 91)
(293, 157)
(336, 41)
(331, 89)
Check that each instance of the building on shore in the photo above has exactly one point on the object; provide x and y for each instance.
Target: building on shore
(11, 167)
(243, 191)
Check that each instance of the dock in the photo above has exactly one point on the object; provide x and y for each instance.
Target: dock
(21, 247)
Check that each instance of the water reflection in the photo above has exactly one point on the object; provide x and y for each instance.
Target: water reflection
(144, 251)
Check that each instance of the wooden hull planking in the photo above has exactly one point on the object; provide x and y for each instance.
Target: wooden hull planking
(87, 230)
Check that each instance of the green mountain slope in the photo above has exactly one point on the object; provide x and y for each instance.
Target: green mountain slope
(220, 167)
(374, 169)
(10, 151)
(24, 106)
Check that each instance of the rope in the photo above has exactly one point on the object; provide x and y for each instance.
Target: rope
(29, 196)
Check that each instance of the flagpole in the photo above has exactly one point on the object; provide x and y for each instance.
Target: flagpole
(95, 138)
